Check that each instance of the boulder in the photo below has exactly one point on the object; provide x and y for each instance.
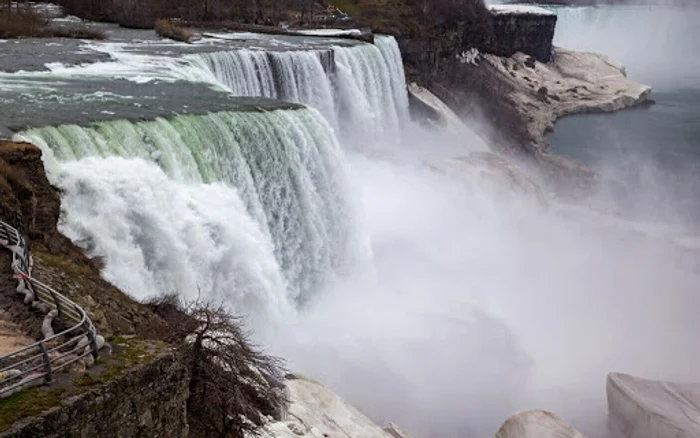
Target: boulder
(536, 424)
(642, 408)
(315, 411)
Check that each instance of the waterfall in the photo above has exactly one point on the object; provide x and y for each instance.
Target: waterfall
(656, 43)
(359, 89)
(294, 76)
(148, 209)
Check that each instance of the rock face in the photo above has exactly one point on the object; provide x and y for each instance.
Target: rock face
(525, 29)
(574, 82)
(31, 204)
(148, 403)
(425, 106)
(317, 412)
(536, 424)
(643, 408)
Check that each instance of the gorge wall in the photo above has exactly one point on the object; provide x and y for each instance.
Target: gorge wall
(438, 59)
(147, 403)
(523, 29)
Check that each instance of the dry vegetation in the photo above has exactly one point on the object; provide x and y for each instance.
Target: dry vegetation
(233, 383)
(25, 22)
(167, 29)
(393, 16)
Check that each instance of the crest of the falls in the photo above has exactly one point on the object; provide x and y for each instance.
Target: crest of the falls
(360, 89)
(228, 180)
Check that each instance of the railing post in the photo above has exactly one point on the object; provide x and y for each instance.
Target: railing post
(47, 362)
(92, 339)
(58, 303)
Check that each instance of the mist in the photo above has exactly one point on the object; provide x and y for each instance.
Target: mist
(470, 305)
(653, 41)
(476, 307)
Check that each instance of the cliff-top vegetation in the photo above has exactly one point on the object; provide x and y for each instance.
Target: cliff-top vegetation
(22, 21)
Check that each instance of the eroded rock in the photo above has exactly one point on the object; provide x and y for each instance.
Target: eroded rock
(536, 424)
(642, 408)
(317, 412)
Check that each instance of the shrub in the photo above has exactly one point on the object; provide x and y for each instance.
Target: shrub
(27, 23)
(78, 32)
(233, 383)
(166, 29)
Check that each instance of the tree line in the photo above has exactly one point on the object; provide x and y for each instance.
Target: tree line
(142, 14)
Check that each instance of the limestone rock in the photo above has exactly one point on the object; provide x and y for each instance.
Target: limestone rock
(518, 28)
(317, 412)
(643, 408)
(536, 424)
(573, 82)
(440, 115)
(396, 432)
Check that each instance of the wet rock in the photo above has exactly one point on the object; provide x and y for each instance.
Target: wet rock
(536, 424)
(317, 412)
(642, 408)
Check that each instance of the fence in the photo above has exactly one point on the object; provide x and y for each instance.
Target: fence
(37, 364)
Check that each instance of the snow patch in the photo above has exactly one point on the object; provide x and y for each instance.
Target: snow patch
(519, 10)
(331, 32)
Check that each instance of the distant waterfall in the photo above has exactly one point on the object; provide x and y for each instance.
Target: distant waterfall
(360, 88)
(655, 42)
(284, 167)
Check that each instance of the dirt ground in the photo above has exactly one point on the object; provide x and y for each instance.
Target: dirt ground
(11, 336)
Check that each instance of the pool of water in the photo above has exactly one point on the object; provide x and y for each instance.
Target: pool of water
(648, 157)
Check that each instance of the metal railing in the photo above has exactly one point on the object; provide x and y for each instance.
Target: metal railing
(37, 364)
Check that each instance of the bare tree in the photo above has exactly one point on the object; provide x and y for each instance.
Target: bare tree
(233, 384)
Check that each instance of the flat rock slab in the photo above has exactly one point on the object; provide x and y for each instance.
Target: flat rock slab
(643, 408)
(536, 424)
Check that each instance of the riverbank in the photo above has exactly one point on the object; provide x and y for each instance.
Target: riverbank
(573, 82)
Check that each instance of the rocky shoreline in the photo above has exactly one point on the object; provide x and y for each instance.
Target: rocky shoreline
(572, 83)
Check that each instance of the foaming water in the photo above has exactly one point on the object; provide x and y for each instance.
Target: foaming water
(476, 309)
(285, 165)
(471, 308)
(163, 236)
(360, 89)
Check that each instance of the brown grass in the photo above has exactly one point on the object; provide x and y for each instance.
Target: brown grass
(16, 179)
(166, 29)
(27, 23)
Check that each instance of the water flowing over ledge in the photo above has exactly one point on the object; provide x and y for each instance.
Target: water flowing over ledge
(362, 85)
(271, 224)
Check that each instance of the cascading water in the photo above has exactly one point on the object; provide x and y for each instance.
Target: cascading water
(359, 89)
(294, 76)
(658, 47)
(470, 310)
(284, 166)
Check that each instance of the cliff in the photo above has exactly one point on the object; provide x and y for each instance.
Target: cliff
(512, 85)
(116, 392)
(149, 402)
(524, 29)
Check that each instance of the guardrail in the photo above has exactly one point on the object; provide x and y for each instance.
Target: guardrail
(37, 364)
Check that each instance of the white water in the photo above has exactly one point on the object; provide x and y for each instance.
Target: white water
(471, 309)
(285, 166)
(366, 97)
